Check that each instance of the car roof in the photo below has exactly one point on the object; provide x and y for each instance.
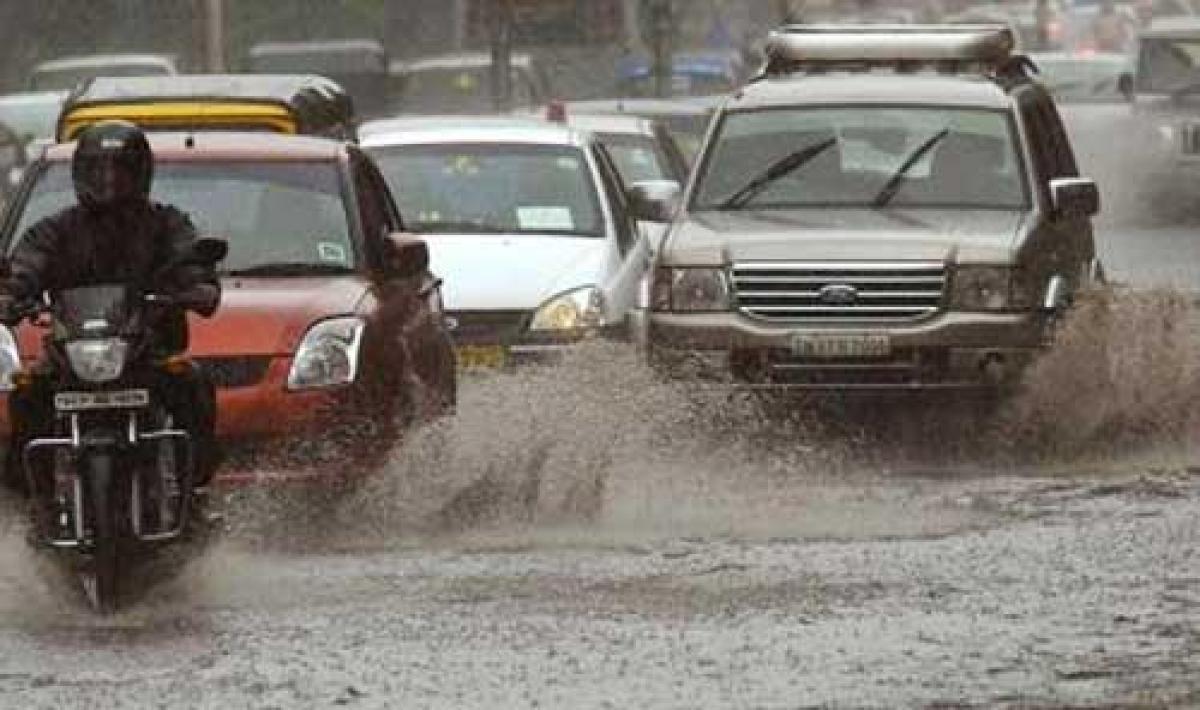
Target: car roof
(625, 124)
(203, 146)
(94, 60)
(1173, 28)
(348, 55)
(283, 88)
(467, 129)
(457, 60)
(682, 106)
(34, 98)
(871, 88)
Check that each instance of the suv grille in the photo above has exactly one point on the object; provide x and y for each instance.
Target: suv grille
(823, 291)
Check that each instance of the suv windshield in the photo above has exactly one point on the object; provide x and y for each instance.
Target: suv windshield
(273, 214)
(863, 157)
(469, 188)
(1168, 66)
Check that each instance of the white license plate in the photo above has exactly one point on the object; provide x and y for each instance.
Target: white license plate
(116, 399)
(841, 347)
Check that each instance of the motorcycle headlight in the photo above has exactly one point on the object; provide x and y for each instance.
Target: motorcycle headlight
(690, 290)
(580, 309)
(328, 354)
(10, 359)
(97, 359)
(983, 288)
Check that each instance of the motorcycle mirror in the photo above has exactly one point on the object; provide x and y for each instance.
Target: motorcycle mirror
(210, 249)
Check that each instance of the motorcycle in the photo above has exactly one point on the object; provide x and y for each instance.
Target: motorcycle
(111, 483)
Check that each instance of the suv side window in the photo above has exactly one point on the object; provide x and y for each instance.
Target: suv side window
(615, 190)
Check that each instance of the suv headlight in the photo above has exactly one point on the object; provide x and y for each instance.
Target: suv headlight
(10, 359)
(690, 290)
(983, 288)
(97, 359)
(580, 309)
(328, 354)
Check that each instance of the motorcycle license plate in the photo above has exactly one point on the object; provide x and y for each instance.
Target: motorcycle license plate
(115, 399)
(841, 347)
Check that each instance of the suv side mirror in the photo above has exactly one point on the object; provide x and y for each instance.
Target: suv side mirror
(1074, 197)
(654, 200)
(405, 256)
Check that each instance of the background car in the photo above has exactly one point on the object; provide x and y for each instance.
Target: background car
(1085, 77)
(528, 221)
(330, 322)
(461, 83)
(68, 72)
(642, 148)
(692, 74)
(686, 118)
(359, 66)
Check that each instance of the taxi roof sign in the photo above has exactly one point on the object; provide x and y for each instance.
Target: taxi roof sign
(792, 47)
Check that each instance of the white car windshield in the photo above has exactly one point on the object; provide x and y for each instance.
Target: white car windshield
(280, 217)
(468, 188)
(863, 157)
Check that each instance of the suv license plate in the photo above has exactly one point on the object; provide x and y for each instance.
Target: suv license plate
(841, 347)
(116, 399)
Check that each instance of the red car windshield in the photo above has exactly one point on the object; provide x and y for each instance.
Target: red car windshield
(272, 213)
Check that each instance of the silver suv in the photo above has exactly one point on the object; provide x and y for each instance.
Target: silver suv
(885, 207)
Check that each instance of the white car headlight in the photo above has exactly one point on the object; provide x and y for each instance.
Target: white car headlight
(690, 290)
(983, 288)
(97, 359)
(328, 354)
(10, 359)
(580, 309)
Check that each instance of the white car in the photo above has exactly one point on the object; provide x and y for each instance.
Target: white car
(528, 222)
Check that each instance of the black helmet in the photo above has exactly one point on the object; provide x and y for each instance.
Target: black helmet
(113, 165)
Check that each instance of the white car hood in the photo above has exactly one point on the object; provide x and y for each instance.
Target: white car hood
(490, 271)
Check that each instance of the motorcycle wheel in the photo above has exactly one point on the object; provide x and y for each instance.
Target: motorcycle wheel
(99, 575)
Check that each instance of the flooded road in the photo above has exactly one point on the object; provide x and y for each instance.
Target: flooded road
(585, 536)
(568, 542)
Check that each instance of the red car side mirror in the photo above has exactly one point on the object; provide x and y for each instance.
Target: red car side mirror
(406, 255)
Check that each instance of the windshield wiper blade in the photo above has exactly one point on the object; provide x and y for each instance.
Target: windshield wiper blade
(892, 186)
(289, 268)
(784, 166)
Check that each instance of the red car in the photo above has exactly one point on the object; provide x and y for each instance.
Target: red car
(330, 321)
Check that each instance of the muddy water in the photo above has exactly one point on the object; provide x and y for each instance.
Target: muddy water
(585, 535)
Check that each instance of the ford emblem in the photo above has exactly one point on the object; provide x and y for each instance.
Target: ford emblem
(839, 295)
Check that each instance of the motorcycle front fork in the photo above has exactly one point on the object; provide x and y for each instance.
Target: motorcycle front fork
(164, 473)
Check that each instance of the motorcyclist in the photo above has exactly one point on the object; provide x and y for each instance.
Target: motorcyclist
(116, 234)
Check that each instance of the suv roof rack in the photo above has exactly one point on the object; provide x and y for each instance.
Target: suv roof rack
(986, 49)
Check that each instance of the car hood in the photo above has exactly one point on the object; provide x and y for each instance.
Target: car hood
(269, 316)
(969, 236)
(485, 272)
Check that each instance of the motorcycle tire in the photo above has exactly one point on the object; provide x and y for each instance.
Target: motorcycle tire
(100, 574)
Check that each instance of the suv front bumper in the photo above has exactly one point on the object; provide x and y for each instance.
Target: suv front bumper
(950, 350)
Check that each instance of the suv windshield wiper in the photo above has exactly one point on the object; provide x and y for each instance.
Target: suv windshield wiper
(290, 268)
(892, 186)
(784, 166)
